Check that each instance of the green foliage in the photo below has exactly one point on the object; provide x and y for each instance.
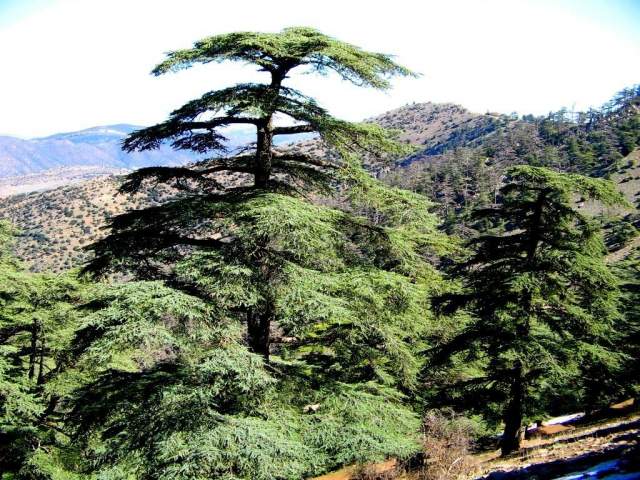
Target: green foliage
(620, 231)
(253, 303)
(360, 324)
(542, 300)
(188, 400)
(293, 46)
(359, 424)
(36, 326)
(628, 272)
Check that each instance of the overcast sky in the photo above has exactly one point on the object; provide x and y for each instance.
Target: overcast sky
(73, 64)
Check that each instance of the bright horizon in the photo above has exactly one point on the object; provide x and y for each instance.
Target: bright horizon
(74, 64)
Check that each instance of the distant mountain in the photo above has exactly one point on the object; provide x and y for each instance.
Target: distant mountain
(94, 135)
(97, 147)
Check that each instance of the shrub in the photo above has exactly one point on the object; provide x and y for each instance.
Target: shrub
(447, 441)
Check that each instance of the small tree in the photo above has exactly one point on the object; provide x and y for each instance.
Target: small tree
(541, 297)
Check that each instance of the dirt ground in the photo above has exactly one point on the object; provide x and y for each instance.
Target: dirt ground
(569, 444)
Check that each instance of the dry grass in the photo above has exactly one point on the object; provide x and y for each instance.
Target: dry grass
(447, 442)
(379, 471)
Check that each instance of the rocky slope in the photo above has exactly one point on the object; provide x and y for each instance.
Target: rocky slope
(55, 225)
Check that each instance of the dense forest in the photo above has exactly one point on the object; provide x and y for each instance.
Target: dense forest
(465, 171)
(284, 312)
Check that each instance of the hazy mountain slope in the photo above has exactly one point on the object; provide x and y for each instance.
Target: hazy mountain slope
(57, 223)
(67, 158)
(95, 147)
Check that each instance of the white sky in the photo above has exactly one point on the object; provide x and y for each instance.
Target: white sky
(72, 64)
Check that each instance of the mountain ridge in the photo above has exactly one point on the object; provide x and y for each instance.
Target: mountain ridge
(56, 224)
(93, 147)
(64, 158)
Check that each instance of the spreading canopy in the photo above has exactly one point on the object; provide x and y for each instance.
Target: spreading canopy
(293, 47)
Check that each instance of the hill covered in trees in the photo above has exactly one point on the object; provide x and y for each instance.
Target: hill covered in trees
(459, 161)
(465, 171)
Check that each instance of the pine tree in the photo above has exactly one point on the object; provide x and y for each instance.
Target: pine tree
(147, 241)
(628, 271)
(36, 326)
(541, 299)
(301, 303)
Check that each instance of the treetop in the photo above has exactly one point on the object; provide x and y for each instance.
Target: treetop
(564, 184)
(278, 53)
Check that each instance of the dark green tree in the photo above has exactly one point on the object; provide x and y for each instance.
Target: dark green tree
(223, 193)
(36, 327)
(541, 300)
(313, 281)
(628, 271)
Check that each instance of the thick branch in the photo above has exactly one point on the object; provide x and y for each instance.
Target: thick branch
(152, 137)
(294, 129)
